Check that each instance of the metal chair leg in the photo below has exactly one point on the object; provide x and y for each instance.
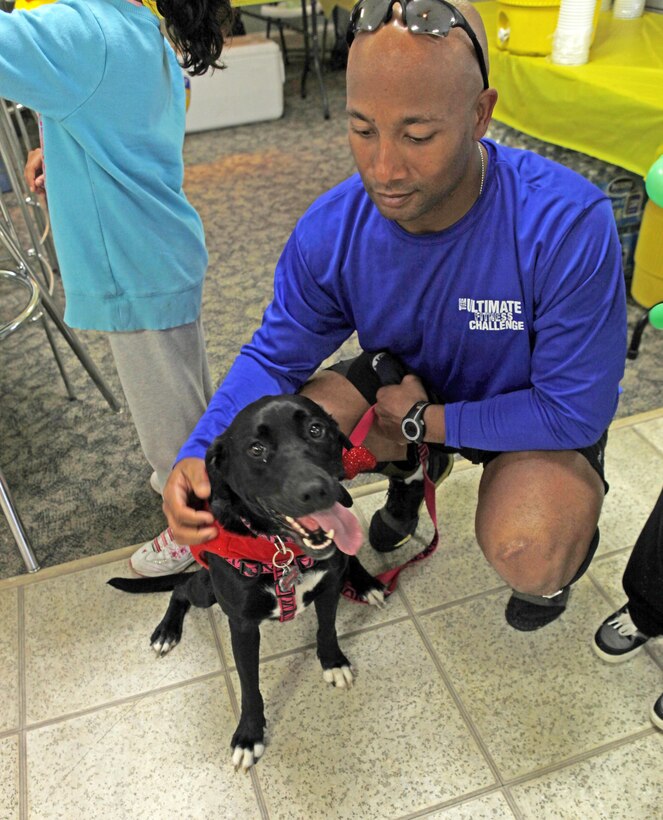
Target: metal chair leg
(312, 52)
(16, 526)
(58, 359)
(284, 47)
(51, 308)
(307, 50)
(318, 62)
(634, 347)
(79, 350)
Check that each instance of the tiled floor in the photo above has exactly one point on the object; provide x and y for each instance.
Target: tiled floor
(453, 715)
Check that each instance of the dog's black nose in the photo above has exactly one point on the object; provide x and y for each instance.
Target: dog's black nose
(316, 494)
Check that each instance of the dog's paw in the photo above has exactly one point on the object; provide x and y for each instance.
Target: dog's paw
(248, 741)
(375, 597)
(161, 648)
(339, 676)
(163, 640)
(245, 757)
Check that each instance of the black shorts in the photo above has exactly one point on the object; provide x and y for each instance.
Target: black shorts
(360, 374)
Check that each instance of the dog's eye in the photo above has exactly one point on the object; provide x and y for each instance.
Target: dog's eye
(316, 430)
(257, 449)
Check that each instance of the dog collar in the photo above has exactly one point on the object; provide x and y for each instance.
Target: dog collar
(244, 547)
(254, 555)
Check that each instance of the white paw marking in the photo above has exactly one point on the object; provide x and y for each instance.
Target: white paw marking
(340, 676)
(375, 598)
(161, 649)
(243, 759)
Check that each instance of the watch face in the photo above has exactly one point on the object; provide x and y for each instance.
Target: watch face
(410, 429)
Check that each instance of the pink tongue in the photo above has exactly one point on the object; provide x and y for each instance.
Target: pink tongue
(348, 534)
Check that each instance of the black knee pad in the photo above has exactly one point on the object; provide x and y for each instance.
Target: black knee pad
(360, 374)
(582, 569)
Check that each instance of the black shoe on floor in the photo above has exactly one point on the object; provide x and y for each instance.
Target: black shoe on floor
(618, 638)
(656, 713)
(529, 612)
(395, 523)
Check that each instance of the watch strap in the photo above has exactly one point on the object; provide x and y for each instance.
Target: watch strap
(414, 417)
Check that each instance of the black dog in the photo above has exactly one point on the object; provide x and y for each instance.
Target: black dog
(275, 473)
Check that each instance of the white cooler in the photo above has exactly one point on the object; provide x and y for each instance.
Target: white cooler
(249, 89)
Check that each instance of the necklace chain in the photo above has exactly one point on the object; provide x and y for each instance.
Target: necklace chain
(483, 169)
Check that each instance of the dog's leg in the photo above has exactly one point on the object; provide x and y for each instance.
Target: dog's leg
(364, 584)
(335, 666)
(248, 742)
(197, 591)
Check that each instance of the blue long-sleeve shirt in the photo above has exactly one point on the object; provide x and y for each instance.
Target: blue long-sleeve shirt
(131, 248)
(515, 316)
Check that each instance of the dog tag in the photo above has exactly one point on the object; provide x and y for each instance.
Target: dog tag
(290, 577)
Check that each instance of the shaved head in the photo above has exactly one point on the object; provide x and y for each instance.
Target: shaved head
(459, 49)
(417, 107)
(474, 19)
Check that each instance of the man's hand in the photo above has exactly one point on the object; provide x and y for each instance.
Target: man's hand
(34, 171)
(394, 401)
(189, 526)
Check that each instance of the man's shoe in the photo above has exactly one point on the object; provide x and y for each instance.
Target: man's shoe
(162, 556)
(529, 612)
(395, 523)
(618, 638)
(656, 713)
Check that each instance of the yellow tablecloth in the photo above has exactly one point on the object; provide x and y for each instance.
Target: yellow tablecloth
(328, 5)
(610, 108)
(30, 4)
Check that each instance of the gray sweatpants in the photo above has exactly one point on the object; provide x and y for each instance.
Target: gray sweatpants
(166, 380)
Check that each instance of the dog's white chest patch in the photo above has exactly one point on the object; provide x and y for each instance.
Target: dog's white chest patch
(309, 581)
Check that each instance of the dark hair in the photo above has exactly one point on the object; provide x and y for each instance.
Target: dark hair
(197, 29)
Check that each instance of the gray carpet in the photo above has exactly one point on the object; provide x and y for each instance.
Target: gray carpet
(75, 468)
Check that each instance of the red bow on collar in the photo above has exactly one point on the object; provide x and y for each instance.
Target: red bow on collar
(358, 460)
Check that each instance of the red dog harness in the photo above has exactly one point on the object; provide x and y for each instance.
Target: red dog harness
(254, 555)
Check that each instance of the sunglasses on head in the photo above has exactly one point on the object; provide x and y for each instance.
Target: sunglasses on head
(436, 17)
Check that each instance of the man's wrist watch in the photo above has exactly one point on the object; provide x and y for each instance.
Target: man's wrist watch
(412, 426)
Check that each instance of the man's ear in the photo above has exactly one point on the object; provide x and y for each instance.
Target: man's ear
(484, 111)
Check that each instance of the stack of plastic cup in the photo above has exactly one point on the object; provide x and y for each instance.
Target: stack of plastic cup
(628, 9)
(573, 34)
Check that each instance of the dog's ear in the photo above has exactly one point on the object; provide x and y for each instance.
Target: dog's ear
(215, 460)
(223, 501)
(344, 496)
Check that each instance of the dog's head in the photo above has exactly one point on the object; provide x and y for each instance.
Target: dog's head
(277, 468)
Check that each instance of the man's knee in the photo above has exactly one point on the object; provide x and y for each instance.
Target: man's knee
(528, 565)
(346, 404)
(540, 565)
(537, 515)
(337, 396)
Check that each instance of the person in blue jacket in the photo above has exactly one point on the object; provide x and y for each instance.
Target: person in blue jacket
(492, 274)
(624, 634)
(131, 248)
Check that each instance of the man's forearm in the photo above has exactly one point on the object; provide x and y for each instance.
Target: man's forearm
(435, 426)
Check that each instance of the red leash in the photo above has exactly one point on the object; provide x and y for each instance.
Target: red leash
(390, 576)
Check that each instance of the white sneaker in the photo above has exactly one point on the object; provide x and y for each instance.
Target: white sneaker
(162, 556)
